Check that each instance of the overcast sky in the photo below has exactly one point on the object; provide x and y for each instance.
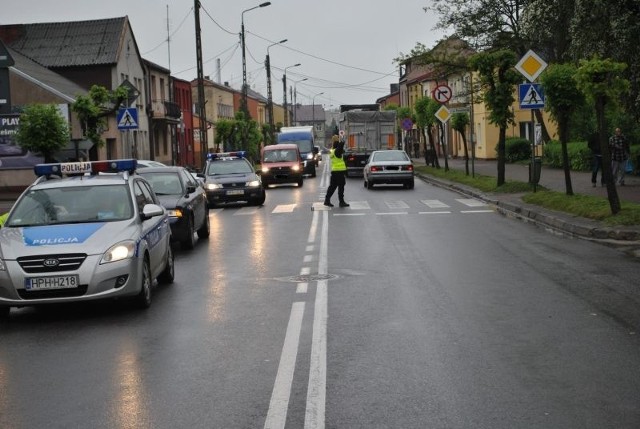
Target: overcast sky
(345, 47)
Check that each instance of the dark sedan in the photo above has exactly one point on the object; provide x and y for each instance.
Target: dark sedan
(388, 166)
(185, 200)
(230, 178)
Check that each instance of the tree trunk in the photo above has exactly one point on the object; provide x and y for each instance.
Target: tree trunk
(466, 153)
(563, 131)
(612, 192)
(444, 147)
(501, 156)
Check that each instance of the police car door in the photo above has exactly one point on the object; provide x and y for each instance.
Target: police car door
(155, 230)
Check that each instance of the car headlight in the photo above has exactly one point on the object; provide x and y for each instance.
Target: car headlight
(119, 251)
(295, 168)
(212, 186)
(253, 184)
(175, 213)
(309, 156)
(265, 169)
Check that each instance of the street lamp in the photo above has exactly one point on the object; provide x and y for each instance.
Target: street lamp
(295, 99)
(269, 96)
(313, 109)
(244, 106)
(284, 86)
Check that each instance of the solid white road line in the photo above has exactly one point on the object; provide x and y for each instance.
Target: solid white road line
(277, 414)
(317, 388)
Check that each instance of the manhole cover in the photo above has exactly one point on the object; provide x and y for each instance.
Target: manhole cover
(309, 278)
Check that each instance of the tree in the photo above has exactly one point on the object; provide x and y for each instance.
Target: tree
(497, 80)
(602, 81)
(426, 109)
(233, 134)
(485, 24)
(94, 108)
(562, 99)
(459, 122)
(42, 130)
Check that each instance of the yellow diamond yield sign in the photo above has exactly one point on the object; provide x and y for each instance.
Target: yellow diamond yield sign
(531, 65)
(443, 114)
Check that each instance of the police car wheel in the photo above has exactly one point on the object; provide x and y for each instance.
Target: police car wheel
(204, 230)
(167, 275)
(143, 300)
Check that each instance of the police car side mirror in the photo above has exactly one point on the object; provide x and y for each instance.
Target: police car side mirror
(151, 210)
(191, 189)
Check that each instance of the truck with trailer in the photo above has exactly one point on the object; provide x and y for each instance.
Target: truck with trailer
(366, 128)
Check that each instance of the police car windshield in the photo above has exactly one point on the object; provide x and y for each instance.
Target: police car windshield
(228, 166)
(79, 204)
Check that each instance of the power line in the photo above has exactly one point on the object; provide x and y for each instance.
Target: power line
(172, 34)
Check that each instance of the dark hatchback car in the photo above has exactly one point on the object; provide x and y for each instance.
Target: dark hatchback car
(230, 178)
(184, 199)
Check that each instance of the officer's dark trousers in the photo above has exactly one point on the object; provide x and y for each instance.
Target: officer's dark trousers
(338, 180)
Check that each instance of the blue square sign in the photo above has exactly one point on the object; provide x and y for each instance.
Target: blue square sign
(127, 118)
(531, 96)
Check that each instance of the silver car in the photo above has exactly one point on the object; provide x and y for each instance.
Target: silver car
(390, 167)
(85, 237)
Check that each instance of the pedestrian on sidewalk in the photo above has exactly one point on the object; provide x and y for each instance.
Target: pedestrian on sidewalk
(596, 159)
(338, 173)
(620, 152)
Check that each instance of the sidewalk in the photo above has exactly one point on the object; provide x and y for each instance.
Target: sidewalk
(511, 205)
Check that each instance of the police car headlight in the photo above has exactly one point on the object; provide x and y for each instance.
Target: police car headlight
(253, 184)
(174, 213)
(118, 252)
(213, 186)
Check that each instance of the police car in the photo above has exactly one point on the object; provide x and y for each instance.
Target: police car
(230, 178)
(77, 234)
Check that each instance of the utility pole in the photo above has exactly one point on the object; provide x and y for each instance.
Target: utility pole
(201, 100)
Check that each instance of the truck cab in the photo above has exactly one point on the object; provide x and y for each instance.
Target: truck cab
(302, 137)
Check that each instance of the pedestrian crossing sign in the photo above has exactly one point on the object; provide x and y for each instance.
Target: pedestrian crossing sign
(531, 96)
(127, 118)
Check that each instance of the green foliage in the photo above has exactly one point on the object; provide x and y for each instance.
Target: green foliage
(602, 78)
(459, 122)
(403, 113)
(562, 95)
(497, 79)
(517, 149)
(239, 134)
(579, 155)
(426, 109)
(42, 130)
(94, 108)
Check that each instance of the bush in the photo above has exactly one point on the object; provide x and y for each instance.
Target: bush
(517, 149)
(579, 155)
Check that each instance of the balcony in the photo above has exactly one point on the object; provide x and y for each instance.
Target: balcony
(162, 110)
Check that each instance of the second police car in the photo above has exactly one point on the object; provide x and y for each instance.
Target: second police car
(78, 235)
(230, 178)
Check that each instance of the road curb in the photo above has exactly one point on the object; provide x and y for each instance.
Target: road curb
(554, 222)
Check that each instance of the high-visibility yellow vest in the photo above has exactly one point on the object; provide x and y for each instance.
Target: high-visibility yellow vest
(337, 164)
(3, 218)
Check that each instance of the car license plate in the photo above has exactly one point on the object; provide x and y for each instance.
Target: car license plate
(235, 192)
(52, 282)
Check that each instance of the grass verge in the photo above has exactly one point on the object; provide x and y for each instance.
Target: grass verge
(586, 206)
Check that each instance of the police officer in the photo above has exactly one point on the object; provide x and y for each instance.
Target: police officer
(338, 173)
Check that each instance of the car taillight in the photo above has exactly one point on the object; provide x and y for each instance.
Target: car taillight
(374, 168)
(407, 167)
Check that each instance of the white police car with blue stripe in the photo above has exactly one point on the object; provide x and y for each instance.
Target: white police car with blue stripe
(84, 231)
